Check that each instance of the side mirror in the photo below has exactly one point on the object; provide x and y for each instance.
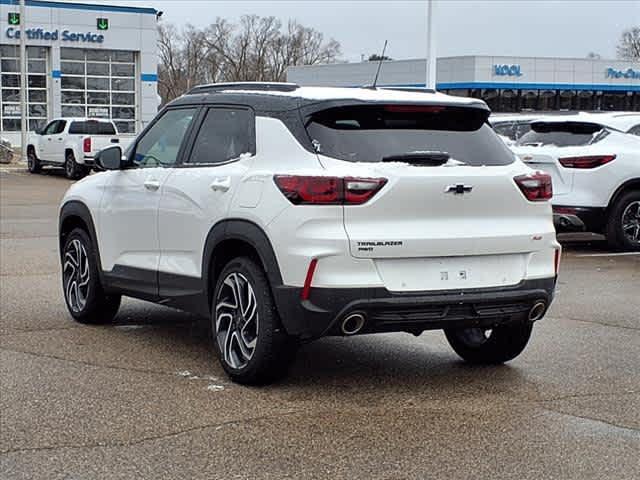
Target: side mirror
(109, 158)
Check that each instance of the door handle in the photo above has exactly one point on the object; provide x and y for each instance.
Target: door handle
(49, 139)
(221, 184)
(151, 184)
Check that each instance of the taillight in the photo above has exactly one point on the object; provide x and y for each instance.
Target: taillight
(86, 145)
(586, 161)
(316, 190)
(536, 186)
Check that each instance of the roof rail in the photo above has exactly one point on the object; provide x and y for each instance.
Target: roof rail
(257, 86)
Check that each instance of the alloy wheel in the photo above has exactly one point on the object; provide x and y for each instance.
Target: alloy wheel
(69, 167)
(631, 222)
(76, 275)
(236, 320)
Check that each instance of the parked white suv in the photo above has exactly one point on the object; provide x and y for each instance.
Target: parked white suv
(287, 213)
(596, 174)
(71, 143)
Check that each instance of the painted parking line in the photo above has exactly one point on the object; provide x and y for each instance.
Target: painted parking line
(617, 254)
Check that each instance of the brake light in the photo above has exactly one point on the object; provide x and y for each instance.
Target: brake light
(414, 108)
(316, 190)
(86, 145)
(536, 187)
(586, 161)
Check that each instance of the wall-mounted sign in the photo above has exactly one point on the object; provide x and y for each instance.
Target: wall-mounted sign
(630, 73)
(54, 35)
(99, 112)
(507, 70)
(14, 18)
(102, 23)
(10, 110)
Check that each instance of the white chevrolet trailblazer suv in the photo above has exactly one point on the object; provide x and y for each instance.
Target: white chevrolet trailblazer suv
(595, 170)
(285, 213)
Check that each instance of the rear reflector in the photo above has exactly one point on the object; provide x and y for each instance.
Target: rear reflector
(306, 289)
(587, 161)
(86, 145)
(536, 186)
(315, 190)
(556, 261)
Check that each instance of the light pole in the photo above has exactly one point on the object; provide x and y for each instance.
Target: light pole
(23, 84)
(430, 79)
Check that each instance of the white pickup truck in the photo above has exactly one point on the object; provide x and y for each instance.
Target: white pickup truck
(72, 143)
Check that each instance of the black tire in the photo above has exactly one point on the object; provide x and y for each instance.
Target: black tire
(86, 302)
(273, 350)
(622, 213)
(495, 346)
(71, 168)
(33, 163)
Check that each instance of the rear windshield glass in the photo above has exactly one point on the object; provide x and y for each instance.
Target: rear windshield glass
(92, 128)
(373, 132)
(565, 134)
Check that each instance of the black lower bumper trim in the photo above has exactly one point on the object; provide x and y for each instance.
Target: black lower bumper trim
(579, 219)
(387, 312)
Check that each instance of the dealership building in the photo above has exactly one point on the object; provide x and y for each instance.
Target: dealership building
(83, 60)
(507, 84)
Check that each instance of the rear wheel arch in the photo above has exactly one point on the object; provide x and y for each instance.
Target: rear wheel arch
(233, 238)
(628, 186)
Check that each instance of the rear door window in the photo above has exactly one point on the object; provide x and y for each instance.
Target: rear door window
(371, 133)
(225, 134)
(91, 127)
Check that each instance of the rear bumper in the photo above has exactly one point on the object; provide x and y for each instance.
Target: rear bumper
(579, 219)
(390, 312)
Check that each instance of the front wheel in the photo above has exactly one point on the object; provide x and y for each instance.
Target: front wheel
(623, 229)
(83, 293)
(248, 338)
(490, 346)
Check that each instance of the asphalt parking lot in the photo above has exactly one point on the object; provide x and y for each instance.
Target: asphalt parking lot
(143, 398)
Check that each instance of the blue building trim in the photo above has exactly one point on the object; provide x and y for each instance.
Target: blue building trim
(527, 86)
(81, 6)
(56, 74)
(149, 77)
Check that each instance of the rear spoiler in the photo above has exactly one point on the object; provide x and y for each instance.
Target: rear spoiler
(570, 126)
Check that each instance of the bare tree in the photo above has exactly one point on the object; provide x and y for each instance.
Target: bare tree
(629, 44)
(256, 49)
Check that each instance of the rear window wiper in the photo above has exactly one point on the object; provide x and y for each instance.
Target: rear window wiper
(428, 159)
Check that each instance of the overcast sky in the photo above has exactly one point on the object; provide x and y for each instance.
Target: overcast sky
(552, 28)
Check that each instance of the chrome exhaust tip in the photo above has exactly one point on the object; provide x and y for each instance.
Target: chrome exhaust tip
(352, 323)
(537, 311)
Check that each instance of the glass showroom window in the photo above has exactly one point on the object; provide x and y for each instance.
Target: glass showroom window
(99, 84)
(529, 100)
(10, 84)
(585, 100)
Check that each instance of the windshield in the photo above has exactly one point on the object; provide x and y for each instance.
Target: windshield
(372, 133)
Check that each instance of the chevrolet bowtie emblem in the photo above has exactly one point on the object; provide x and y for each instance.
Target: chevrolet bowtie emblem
(458, 189)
